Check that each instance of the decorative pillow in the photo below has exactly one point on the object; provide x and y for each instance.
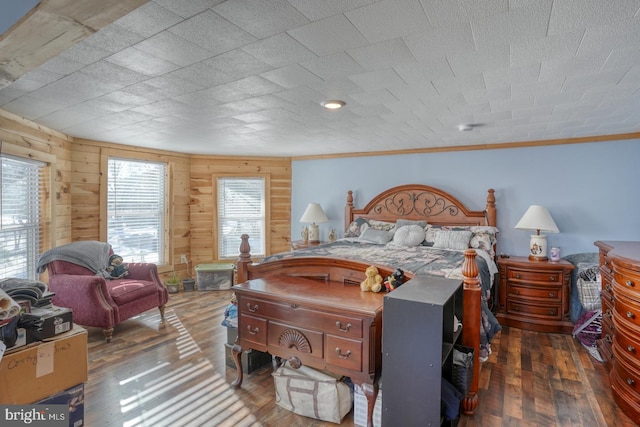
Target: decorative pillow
(431, 231)
(409, 235)
(359, 224)
(372, 235)
(403, 222)
(448, 239)
(484, 237)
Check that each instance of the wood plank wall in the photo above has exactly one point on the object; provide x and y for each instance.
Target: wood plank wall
(79, 181)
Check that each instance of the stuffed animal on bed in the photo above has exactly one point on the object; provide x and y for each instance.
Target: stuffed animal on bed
(396, 279)
(373, 281)
(117, 268)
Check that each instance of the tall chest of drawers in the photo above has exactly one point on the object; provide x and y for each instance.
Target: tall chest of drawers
(620, 343)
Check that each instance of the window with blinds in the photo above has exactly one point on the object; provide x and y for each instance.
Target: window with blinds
(20, 228)
(241, 210)
(136, 206)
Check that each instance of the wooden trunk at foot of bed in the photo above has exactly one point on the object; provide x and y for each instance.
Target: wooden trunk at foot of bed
(351, 272)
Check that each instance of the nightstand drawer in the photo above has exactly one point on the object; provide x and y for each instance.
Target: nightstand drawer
(535, 292)
(534, 276)
(553, 312)
(344, 353)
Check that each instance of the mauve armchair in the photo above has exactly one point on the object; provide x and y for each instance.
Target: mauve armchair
(103, 303)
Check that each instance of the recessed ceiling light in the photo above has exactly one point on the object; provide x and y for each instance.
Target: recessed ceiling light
(333, 104)
(465, 128)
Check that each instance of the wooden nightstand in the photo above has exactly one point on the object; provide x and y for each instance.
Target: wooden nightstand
(534, 295)
(301, 244)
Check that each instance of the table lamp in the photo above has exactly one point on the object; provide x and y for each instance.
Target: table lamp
(314, 214)
(537, 218)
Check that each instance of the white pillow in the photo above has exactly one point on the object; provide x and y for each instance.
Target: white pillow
(409, 235)
(448, 239)
(372, 235)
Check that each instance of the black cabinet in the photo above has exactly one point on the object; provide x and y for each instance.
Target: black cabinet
(418, 336)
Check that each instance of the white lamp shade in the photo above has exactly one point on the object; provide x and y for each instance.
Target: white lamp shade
(537, 218)
(314, 214)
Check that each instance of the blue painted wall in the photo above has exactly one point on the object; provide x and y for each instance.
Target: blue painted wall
(591, 190)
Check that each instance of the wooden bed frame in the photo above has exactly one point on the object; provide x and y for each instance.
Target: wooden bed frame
(411, 202)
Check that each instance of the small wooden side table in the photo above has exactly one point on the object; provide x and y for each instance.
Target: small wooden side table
(302, 244)
(534, 295)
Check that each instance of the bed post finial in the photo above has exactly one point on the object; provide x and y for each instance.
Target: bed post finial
(472, 309)
(491, 208)
(244, 259)
(348, 209)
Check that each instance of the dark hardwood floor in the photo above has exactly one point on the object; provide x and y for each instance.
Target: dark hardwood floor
(175, 375)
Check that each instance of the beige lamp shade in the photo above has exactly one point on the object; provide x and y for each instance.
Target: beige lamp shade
(537, 218)
(314, 215)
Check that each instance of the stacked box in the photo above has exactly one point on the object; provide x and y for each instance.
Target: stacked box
(215, 277)
(251, 359)
(72, 397)
(360, 408)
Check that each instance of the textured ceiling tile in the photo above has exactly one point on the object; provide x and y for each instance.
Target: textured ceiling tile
(174, 49)
(573, 66)
(301, 95)
(279, 51)
(336, 88)
(148, 19)
(238, 63)
(204, 74)
(315, 10)
(382, 96)
(85, 53)
(118, 101)
(456, 38)
(501, 77)
(33, 108)
(187, 8)
(381, 55)
(198, 30)
(61, 65)
(389, 19)
(141, 62)
(416, 73)
(479, 61)
(375, 80)
(333, 66)
(113, 38)
(291, 76)
(107, 71)
(262, 18)
(568, 15)
(545, 48)
(255, 85)
(516, 25)
(328, 36)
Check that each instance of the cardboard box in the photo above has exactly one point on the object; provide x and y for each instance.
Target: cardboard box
(74, 398)
(251, 359)
(360, 408)
(29, 374)
(55, 321)
(215, 277)
(232, 334)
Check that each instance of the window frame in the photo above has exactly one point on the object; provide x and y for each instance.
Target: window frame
(47, 199)
(267, 212)
(166, 263)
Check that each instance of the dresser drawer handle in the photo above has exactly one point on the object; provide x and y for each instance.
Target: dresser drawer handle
(516, 308)
(252, 309)
(631, 349)
(253, 332)
(552, 312)
(631, 382)
(608, 313)
(341, 355)
(552, 295)
(341, 329)
(608, 287)
(517, 275)
(629, 283)
(608, 338)
(630, 315)
(552, 278)
(517, 292)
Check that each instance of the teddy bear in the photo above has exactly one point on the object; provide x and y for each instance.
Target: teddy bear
(394, 280)
(117, 268)
(373, 281)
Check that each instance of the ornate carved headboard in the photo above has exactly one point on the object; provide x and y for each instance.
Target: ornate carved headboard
(421, 202)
